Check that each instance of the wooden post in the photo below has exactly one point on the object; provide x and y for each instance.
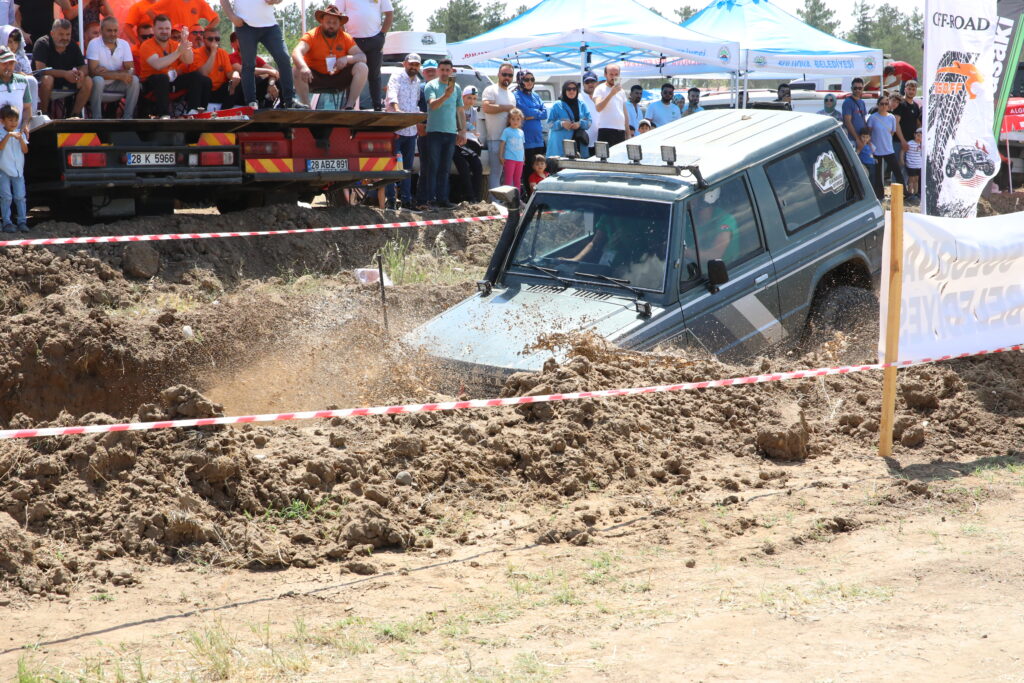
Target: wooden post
(892, 319)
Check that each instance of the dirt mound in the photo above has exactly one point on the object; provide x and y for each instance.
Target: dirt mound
(233, 259)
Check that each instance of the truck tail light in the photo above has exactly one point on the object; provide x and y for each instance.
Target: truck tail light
(264, 148)
(375, 147)
(87, 159)
(216, 158)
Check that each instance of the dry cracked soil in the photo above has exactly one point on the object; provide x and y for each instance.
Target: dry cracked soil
(732, 533)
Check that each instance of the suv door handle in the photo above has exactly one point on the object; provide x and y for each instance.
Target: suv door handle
(760, 278)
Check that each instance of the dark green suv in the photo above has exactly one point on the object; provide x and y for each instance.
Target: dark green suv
(722, 231)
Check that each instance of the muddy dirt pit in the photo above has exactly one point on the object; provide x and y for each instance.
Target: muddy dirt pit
(226, 327)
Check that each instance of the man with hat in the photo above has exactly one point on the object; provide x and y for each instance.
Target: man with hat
(14, 88)
(369, 22)
(587, 98)
(327, 58)
(403, 97)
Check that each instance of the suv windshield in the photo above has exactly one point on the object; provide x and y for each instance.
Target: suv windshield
(577, 235)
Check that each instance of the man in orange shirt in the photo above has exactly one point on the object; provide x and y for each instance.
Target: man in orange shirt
(164, 69)
(186, 12)
(215, 62)
(327, 58)
(140, 14)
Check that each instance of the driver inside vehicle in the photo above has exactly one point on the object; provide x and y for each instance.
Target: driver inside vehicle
(633, 248)
(717, 232)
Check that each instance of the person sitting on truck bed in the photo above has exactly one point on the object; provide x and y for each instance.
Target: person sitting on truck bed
(137, 17)
(327, 58)
(215, 63)
(112, 67)
(67, 68)
(164, 63)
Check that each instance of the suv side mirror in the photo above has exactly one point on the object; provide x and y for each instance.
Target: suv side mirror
(717, 274)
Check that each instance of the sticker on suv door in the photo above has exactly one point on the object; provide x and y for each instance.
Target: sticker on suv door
(828, 173)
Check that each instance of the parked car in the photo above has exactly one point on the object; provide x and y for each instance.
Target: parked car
(772, 222)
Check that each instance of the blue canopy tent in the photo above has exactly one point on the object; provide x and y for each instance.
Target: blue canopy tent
(775, 44)
(565, 37)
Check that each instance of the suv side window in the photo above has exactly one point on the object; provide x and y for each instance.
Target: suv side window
(722, 223)
(811, 183)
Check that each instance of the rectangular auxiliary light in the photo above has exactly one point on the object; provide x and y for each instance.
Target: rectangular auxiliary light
(601, 150)
(634, 153)
(569, 149)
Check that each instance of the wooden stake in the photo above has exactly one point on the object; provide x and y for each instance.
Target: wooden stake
(892, 319)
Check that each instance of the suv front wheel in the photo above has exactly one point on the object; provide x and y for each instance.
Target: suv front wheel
(850, 311)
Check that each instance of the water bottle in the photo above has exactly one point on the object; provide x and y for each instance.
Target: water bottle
(401, 166)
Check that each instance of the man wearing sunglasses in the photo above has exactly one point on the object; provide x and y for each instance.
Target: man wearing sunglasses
(498, 101)
(215, 63)
(855, 112)
(112, 68)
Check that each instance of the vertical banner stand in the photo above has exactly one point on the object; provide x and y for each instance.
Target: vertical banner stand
(892, 319)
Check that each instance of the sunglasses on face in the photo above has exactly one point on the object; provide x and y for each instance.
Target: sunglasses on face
(505, 74)
(146, 36)
(214, 39)
(528, 80)
(571, 89)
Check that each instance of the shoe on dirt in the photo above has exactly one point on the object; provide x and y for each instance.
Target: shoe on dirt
(23, 227)
(10, 228)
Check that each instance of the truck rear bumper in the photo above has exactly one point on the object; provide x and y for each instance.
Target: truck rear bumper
(325, 178)
(115, 179)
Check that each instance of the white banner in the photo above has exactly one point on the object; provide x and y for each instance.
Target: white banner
(963, 285)
(867, 63)
(960, 150)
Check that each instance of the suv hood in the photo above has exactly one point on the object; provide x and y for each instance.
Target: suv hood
(494, 330)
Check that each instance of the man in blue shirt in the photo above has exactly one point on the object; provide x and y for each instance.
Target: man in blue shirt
(664, 111)
(444, 121)
(855, 112)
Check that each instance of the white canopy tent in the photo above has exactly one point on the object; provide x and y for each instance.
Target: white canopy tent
(565, 37)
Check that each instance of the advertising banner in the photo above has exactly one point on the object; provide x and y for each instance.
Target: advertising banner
(1009, 38)
(960, 148)
(963, 285)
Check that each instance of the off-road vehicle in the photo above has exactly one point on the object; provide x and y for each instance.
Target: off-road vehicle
(968, 161)
(724, 231)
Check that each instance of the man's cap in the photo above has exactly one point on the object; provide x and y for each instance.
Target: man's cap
(430, 64)
(916, 131)
(330, 11)
(6, 55)
(412, 58)
(469, 90)
(589, 76)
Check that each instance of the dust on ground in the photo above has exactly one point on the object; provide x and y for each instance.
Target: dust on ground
(767, 476)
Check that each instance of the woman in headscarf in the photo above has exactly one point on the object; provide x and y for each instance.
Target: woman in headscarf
(14, 39)
(830, 108)
(534, 113)
(567, 116)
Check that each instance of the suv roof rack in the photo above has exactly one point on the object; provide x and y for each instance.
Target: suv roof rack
(677, 168)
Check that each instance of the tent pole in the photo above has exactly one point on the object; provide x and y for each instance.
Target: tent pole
(746, 93)
(81, 26)
(302, 9)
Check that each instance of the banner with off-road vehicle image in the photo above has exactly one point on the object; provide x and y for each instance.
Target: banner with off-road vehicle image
(960, 149)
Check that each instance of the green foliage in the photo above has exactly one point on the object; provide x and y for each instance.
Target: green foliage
(887, 28)
(684, 13)
(462, 19)
(817, 14)
(402, 20)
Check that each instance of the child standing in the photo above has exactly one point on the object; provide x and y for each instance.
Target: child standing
(915, 160)
(540, 172)
(512, 150)
(866, 151)
(13, 148)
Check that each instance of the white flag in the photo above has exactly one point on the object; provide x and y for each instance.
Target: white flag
(960, 150)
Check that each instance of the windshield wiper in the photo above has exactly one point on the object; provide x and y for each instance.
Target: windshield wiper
(618, 282)
(550, 272)
(642, 307)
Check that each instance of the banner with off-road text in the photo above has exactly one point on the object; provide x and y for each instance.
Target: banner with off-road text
(960, 149)
(963, 285)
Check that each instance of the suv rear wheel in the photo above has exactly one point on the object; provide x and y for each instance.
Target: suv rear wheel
(852, 311)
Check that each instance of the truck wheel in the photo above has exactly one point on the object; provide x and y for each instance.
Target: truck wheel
(966, 170)
(950, 169)
(988, 169)
(849, 310)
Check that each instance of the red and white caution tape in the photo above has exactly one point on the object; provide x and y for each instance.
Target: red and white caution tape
(110, 239)
(476, 403)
